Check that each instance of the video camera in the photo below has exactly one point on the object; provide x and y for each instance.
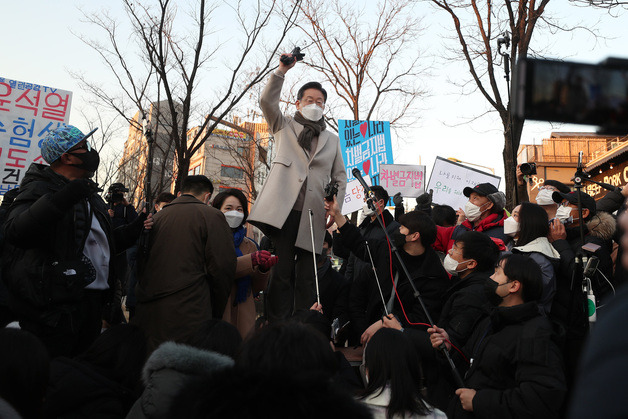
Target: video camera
(115, 193)
(559, 91)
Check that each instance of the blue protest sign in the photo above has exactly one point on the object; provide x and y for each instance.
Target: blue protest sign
(365, 145)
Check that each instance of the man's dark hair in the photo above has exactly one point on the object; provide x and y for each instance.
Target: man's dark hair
(166, 197)
(380, 193)
(444, 215)
(289, 346)
(418, 221)
(311, 85)
(24, 371)
(533, 223)
(479, 247)
(522, 268)
(238, 194)
(218, 336)
(558, 185)
(197, 185)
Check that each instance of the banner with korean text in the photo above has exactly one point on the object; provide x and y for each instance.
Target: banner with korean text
(365, 145)
(354, 196)
(408, 179)
(27, 112)
(449, 179)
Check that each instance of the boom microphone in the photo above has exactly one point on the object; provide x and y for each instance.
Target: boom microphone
(358, 175)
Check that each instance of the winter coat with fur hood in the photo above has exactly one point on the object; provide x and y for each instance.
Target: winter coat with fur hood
(167, 371)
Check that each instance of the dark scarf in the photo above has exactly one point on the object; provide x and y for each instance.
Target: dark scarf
(243, 283)
(311, 129)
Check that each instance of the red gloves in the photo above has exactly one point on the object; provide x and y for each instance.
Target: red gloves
(264, 259)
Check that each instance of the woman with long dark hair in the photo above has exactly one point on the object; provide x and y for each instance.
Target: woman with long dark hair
(393, 374)
(531, 239)
(253, 264)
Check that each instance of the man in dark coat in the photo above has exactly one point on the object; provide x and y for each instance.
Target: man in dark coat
(363, 293)
(334, 288)
(190, 268)
(515, 368)
(413, 242)
(60, 247)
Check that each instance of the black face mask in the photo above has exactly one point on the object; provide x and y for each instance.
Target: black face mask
(490, 288)
(398, 239)
(90, 161)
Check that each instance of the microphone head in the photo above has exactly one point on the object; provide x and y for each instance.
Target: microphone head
(356, 172)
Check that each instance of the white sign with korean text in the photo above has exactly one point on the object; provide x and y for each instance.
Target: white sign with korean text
(409, 179)
(27, 112)
(354, 196)
(449, 179)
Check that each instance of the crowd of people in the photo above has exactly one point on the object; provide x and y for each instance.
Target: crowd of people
(178, 312)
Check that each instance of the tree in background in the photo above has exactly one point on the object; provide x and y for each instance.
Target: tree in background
(175, 52)
(370, 58)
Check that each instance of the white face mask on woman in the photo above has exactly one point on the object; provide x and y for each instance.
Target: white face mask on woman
(511, 226)
(313, 112)
(234, 218)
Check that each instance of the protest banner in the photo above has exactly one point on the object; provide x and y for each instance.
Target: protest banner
(27, 112)
(448, 180)
(365, 145)
(408, 179)
(354, 196)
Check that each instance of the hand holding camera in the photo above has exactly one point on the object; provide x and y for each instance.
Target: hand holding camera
(287, 61)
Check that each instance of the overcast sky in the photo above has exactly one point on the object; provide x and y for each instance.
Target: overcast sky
(37, 46)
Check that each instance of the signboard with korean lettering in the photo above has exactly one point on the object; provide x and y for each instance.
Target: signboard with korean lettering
(27, 112)
(354, 196)
(365, 145)
(408, 179)
(448, 180)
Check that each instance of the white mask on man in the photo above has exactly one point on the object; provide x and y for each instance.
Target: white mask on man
(313, 112)
(368, 212)
(563, 214)
(544, 197)
(472, 211)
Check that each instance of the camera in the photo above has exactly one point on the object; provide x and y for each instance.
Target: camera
(331, 190)
(297, 55)
(528, 169)
(115, 193)
(578, 93)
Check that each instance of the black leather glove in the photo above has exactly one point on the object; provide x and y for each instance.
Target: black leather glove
(398, 199)
(73, 192)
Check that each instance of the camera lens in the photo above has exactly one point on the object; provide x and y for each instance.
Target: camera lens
(528, 168)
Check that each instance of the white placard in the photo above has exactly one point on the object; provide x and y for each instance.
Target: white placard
(449, 179)
(27, 112)
(354, 196)
(408, 179)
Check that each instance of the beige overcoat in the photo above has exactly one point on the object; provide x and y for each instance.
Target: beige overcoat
(189, 273)
(290, 168)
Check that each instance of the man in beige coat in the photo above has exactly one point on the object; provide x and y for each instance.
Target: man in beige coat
(308, 158)
(190, 268)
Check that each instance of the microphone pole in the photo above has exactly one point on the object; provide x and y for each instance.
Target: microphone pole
(368, 192)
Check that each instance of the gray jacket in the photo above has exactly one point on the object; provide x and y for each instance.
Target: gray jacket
(167, 371)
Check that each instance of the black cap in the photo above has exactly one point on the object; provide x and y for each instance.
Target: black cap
(118, 187)
(587, 200)
(483, 189)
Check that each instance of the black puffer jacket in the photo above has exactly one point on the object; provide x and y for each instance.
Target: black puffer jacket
(426, 270)
(517, 369)
(465, 306)
(44, 268)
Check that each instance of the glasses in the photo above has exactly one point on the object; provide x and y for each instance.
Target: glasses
(84, 146)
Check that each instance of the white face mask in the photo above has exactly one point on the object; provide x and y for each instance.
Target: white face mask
(313, 112)
(563, 214)
(450, 265)
(511, 226)
(544, 197)
(367, 211)
(234, 218)
(472, 211)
